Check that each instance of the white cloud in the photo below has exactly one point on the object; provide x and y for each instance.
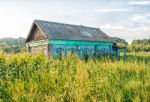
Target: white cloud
(112, 26)
(143, 18)
(111, 10)
(139, 2)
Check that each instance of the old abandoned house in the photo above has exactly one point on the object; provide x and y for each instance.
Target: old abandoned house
(56, 38)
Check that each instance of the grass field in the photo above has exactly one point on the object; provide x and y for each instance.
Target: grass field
(35, 78)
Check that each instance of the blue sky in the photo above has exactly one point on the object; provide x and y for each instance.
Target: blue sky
(128, 19)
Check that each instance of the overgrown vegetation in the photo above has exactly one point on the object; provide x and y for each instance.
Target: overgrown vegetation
(26, 78)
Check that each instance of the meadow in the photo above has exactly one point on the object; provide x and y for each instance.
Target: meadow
(36, 78)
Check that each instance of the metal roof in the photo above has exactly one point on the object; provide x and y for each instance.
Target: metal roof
(53, 30)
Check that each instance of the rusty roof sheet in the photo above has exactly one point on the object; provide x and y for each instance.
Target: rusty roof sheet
(63, 31)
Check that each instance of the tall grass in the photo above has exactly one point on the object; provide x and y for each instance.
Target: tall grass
(26, 78)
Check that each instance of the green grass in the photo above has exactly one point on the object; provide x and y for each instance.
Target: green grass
(34, 78)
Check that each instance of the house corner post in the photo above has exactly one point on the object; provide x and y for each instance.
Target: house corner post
(118, 53)
(111, 51)
(28, 48)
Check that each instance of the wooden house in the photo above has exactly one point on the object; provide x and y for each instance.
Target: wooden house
(56, 38)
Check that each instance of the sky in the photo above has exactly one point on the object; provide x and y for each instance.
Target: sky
(128, 19)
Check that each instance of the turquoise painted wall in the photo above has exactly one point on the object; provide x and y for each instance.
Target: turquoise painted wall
(81, 47)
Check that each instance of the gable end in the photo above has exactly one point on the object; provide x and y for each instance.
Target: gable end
(35, 34)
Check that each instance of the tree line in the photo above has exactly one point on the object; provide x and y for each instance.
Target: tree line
(12, 45)
(135, 46)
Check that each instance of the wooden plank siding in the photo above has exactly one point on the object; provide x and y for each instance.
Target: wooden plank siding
(38, 35)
